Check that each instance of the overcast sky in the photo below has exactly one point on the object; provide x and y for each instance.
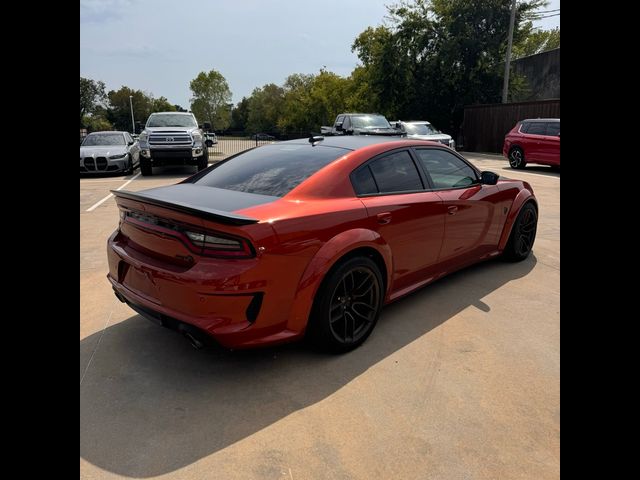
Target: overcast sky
(159, 46)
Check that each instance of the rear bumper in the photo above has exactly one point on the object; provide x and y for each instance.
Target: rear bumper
(232, 301)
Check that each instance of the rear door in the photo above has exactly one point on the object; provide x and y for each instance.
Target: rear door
(409, 219)
(551, 144)
(532, 142)
(474, 212)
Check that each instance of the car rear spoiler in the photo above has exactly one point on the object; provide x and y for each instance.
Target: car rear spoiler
(197, 210)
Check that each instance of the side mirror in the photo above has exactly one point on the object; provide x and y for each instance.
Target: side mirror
(339, 127)
(207, 126)
(489, 178)
(130, 142)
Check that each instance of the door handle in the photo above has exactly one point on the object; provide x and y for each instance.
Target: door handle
(384, 218)
(452, 209)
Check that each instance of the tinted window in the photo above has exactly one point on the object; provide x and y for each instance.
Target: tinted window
(271, 169)
(396, 173)
(446, 170)
(553, 128)
(524, 127)
(340, 119)
(362, 181)
(537, 128)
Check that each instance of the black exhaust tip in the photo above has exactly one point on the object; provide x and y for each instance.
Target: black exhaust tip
(196, 338)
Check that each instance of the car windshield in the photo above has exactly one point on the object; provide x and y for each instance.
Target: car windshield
(370, 121)
(103, 139)
(169, 120)
(273, 169)
(420, 129)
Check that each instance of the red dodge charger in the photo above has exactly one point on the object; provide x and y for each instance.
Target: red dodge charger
(310, 237)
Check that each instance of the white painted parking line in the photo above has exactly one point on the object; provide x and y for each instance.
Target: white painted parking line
(97, 204)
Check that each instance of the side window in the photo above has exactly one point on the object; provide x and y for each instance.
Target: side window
(524, 127)
(445, 169)
(396, 173)
(553, 129)
(340, 119)
(347, 123)
(363, 182)
(537, 128)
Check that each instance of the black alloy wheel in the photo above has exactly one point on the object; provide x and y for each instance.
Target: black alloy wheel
(523, 234)
(348, 305)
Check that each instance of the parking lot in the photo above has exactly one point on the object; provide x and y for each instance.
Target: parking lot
(459, 380)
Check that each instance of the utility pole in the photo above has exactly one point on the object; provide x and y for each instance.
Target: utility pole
(507, 63)
(133, 123)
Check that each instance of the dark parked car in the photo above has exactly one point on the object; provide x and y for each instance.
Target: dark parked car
(310, 237)
(262, 136)
(533, 141)
(109, 152)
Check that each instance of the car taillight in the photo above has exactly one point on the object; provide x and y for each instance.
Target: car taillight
(218, 246)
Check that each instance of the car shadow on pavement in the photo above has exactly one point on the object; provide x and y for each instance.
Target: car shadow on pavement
(150, 404)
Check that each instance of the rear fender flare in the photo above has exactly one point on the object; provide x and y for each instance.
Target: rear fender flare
(523, 197)
(330, 253)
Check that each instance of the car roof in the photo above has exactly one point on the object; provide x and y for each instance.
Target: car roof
(541, 120)
(415, 121)
(351, 142)
(172, 113)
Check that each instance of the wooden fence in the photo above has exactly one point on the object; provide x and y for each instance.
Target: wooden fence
(484, 126)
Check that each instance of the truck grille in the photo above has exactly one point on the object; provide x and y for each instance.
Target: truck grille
(170, 138)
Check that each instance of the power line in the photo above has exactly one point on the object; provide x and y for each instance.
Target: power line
(547, 11)
(548, 16)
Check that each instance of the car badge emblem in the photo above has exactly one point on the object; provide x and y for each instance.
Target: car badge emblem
(169, 139)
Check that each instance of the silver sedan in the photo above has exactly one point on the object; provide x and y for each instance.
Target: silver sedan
(102, 152)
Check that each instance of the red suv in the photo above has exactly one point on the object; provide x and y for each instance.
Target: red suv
(533, 141)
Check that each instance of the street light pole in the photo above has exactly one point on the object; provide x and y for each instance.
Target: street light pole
(507, 63)
(133, 123)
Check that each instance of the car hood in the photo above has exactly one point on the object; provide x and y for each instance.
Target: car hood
(435, 137)
(102, 150)
(378, 131)
(170, 129)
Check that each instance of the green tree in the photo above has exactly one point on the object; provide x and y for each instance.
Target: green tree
(265, 107)
(537, 41)
(144, 104)
(211, 96)
(97, 123)
(240, 114)
(436, 56)
(92, 95)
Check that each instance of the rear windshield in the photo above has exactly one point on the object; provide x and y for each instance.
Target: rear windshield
(271, 169)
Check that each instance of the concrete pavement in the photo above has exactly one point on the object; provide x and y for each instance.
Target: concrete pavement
(458, 381)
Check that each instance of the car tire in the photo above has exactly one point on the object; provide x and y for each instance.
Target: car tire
(516, 158)
(203, 161)
(335, 323)
(145, 167)
(523, 234)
